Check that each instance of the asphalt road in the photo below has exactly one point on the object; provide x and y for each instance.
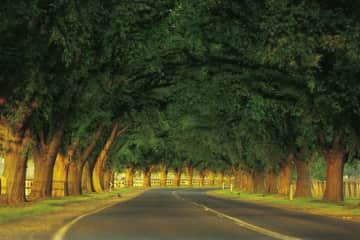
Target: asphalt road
(171, 214)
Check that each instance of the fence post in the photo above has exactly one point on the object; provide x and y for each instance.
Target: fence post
(346, 191)
(2, 185)
(351, 190)
(291, 192)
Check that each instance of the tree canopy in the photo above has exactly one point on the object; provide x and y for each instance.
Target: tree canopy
(216, 84)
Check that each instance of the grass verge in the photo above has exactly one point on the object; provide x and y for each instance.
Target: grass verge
(55, 204)
(347, 209)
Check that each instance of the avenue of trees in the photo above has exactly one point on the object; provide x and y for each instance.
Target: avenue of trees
(254, 88)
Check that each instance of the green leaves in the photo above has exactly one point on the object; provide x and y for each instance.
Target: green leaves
(207, 82)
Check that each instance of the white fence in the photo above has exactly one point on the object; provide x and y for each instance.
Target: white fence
(351, 188)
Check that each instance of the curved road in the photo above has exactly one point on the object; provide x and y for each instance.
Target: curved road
(190, 214)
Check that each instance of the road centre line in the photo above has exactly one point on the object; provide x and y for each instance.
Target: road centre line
(239, 222)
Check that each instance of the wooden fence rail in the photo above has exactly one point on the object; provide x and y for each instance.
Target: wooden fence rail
(138, 181)
(351, 188)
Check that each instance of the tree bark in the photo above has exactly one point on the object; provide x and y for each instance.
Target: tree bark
(163, 175)
(107, 179)
(220, 178)
(129, 176)
(44, 161)
(15, 155)
(112, 179)
(211, 178)
(59, 185)
(202, 177)
(74, 178)
(237, 182)
(228, 177)
(243, 180)
(250, 184)
(303, 182)
(270, 182)
(15, 139)
(86, 183)
(76, 168)
(285, 175)
(190, 173)
(102, 172)
(259, 186)
(177, 173)
(246, 181)
(147, 177)
(334, 175)
(101, 159)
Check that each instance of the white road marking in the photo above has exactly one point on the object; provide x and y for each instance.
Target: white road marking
(60, 234)
(239, 222)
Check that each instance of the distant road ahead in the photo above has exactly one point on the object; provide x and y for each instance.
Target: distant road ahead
(161, 214)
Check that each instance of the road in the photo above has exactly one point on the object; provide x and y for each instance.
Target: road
(172, 214)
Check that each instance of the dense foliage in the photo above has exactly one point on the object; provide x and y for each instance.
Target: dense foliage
(239, 87)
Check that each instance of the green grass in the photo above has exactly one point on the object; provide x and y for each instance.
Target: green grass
(347, 208)
(185, 187)
(53, 205)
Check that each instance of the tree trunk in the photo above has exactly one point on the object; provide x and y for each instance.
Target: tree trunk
(102, 173)
(334, 175)
(250, 184)
(229, 181)
(270, 182)
(202, 177)
(177, 173)
(259, 186)
(44, 161)
(76, 168)
(14, 139)
(190, 173)
(303, 182)
(244, 180)
(101, 159)
(112, 179)
(74, 178)
(147, 177)
(15, 155)
(59, 185)
(237, 182)
(163, 175)
(285, 175)
(129, 176)
(211, 178)
(220, 178)
(107, 179)
(42, 183)
(86, 183)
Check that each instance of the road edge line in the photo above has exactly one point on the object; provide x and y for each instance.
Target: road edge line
(342, 217)
(239, 222)
(59, 234)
